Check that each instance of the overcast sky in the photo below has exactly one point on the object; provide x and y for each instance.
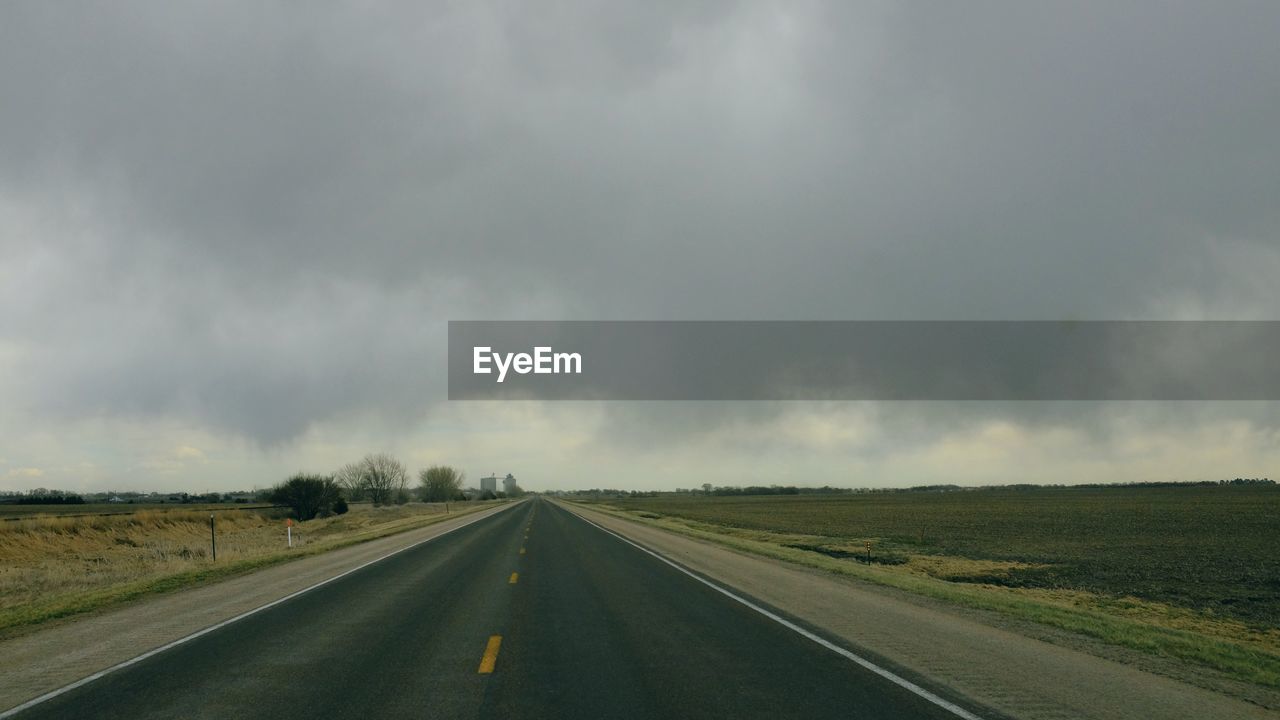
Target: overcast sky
(231, 235)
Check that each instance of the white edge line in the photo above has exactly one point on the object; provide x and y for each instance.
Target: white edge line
(156, 651)
(882, 672)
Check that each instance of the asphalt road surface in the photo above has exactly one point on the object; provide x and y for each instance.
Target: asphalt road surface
(530, 613)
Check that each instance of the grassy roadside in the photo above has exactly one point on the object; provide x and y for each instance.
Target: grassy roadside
(203, 572)
(1224, 645)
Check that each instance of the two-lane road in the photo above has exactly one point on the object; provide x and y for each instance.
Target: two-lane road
(530, 613)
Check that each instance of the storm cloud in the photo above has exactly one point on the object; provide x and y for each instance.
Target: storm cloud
(246, 225)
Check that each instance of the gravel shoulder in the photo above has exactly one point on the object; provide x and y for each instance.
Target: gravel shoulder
(1017, 675)
(52, 656)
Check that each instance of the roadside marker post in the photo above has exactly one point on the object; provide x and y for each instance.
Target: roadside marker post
(213, 539)
(288, 530)
(868, 552)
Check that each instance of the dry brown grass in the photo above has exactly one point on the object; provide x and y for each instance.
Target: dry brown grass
(45, 558)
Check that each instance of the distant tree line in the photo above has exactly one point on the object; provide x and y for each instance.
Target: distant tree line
(203, 498)
(721, 490)
(1189, 483)
(377, 478)
(750, 490)
(598, 492)
(757, 490)
(41, 496)
(60, 497)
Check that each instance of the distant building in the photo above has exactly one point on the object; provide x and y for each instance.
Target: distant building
(509, 484)
(489, 483)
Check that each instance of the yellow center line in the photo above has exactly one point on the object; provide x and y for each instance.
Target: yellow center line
(490, 654)
(514, 577)
(521, 551)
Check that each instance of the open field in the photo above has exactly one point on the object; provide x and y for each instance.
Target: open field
(1187, 572)
(57, 566)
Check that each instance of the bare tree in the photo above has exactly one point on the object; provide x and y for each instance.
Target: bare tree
(351, 478)
(384, 478)
(440, 483)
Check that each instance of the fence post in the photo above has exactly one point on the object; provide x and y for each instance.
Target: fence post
(213, 539)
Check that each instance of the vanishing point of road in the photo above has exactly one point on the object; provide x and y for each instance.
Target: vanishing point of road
(531, 612)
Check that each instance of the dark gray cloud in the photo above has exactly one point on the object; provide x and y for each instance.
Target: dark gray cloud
(259, 217)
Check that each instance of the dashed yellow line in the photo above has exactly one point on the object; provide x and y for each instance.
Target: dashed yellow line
(490, 654)
(514, 577)
(521, 551)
